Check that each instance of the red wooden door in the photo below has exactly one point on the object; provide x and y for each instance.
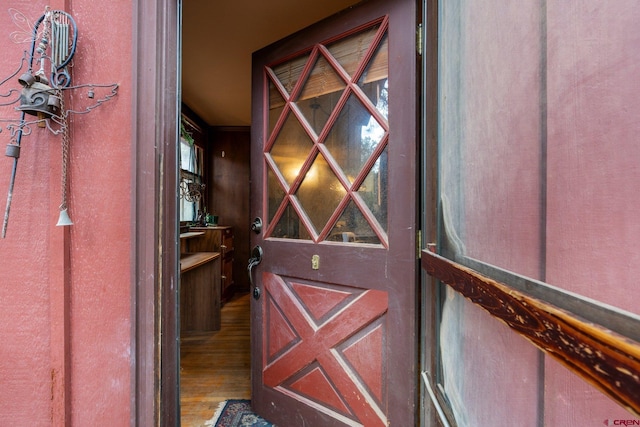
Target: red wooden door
(334, 338)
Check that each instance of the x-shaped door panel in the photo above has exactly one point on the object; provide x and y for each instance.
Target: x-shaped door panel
(324, 346)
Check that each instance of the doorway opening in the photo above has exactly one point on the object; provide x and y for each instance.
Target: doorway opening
(216, 48)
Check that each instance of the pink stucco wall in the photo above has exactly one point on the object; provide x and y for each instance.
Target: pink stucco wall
(35, 344)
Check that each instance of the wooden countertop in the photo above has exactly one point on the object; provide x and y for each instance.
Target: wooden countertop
(189, 261)
(210, 227)
(191, 234)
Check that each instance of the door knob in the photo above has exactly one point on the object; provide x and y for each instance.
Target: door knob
(256, 225)
(256, 258)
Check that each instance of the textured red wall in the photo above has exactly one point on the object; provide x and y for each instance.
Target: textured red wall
(95, 345)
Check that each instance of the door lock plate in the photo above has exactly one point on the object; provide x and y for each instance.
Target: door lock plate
(315, 262)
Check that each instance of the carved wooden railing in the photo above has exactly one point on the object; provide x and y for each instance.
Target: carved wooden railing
(607, 360)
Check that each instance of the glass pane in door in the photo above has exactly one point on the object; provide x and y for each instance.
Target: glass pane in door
(328, 116)
(320, 181)
(354, 137)
(350, 51)
(320, 94)
(291, 149)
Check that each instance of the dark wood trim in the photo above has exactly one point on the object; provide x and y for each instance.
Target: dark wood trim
(199, 129)
(608, 361)
(195, 120)
(429, 203)
(154, 395)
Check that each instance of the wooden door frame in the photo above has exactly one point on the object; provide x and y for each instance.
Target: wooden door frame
(429, 200)
(154, 275)
(154, 224)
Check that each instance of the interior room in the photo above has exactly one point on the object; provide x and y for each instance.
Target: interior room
(218, 40)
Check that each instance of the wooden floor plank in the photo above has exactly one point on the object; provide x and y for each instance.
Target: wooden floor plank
(215, 366)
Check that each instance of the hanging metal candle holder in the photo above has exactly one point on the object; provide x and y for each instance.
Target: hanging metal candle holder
(37, 97)
(41, 101)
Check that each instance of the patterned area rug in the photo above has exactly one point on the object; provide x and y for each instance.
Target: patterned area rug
(237, 413)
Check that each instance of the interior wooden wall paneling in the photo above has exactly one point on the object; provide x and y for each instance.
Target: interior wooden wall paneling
(228, 191)
(215, 366)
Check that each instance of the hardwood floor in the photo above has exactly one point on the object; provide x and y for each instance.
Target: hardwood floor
(215, 366)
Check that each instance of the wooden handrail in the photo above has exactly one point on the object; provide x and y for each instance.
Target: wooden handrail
(607, 360)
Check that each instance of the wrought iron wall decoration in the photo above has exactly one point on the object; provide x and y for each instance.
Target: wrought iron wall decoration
(191, 186)
(191, 191)
(42, 102)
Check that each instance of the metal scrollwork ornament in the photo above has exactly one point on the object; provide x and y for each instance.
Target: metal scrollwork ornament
(41, 101)
(191, 191)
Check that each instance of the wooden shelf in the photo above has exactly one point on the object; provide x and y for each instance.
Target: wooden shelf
(191, 234)
(189, 261)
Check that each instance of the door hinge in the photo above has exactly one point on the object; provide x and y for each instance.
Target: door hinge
(419, 39)
(419, 244)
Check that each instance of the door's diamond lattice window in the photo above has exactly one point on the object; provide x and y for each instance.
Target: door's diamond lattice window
(327, 141)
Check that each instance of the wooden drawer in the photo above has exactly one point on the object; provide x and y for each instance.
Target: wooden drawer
(226, 245)
(227, 274)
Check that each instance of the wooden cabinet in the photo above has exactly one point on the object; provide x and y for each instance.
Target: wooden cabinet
(217, 239)
(199, 286)
(227, 263)
(199, 292)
